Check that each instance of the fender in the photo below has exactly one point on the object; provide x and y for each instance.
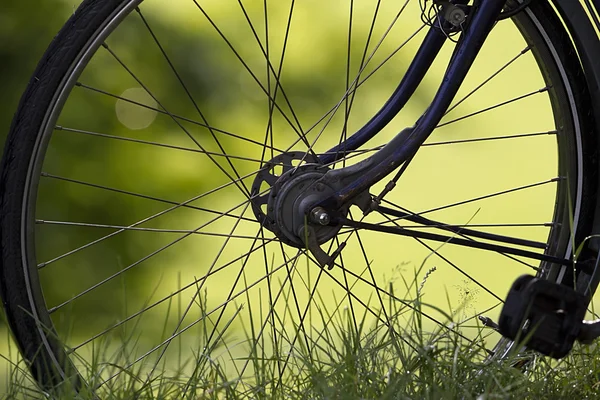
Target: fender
(581, 20)
(581, 27)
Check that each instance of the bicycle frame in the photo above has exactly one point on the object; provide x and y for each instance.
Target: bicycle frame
(350, 182)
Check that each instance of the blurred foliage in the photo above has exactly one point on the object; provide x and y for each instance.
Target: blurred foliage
(26, 29)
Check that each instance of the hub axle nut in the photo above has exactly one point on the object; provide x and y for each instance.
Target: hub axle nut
(319, 216)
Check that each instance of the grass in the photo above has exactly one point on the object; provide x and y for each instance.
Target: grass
(357, 356)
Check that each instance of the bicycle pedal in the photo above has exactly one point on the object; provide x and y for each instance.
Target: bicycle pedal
(543, 315)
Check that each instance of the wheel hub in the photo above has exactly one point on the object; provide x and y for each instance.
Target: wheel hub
(280, 202)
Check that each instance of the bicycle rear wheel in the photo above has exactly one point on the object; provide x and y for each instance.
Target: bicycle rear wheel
(127, 220)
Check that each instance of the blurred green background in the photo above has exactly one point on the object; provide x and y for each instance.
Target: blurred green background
(26, 29)
(314, 76)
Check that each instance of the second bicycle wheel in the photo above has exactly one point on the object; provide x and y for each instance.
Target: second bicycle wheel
(129, 233)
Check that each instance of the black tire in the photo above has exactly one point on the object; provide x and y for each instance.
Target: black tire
(21, 291)
(35, 338)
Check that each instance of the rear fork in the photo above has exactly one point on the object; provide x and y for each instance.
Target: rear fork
(544, 315)
(350, 185)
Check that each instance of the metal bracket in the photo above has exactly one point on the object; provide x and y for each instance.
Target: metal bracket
(309, 236)
(455, 13)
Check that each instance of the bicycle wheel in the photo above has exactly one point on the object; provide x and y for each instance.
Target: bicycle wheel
(130, 229)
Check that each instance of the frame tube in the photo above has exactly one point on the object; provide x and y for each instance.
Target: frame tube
(351, 181)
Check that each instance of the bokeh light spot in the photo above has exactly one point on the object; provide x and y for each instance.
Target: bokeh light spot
(134, 116)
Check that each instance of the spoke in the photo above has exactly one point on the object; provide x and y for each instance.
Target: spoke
(224, 305)
(156, 230)
(186, 328)
(85, 246)
(404, 302)
(542, 225)
(542, 90)
(270, 69)
(390, 186)
(362, 64)
(500, 193)
(185, 88)
(488, 196)
(270, 108)
(410, 216)
(199, 288)
(304, 314)
(368, 267)
(460, 270)
(269, 136)
(293, 290)
(167, 146)
(178, 117)
(170, 296)
(335, 310)
(482, 84)
(272, 305)
(282, 59)
(271, 315)
(461, 234)
(143, 196)
(312, 294)
(301, 135)
(321, 270)
(161, 249)
(455, 240)
(389, 57)
(348, 100)
(361, 302)
(524, 135)
(347, 290)
(356, 83)
(242, 188)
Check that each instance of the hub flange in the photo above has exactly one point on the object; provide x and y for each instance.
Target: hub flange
(284, 208)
